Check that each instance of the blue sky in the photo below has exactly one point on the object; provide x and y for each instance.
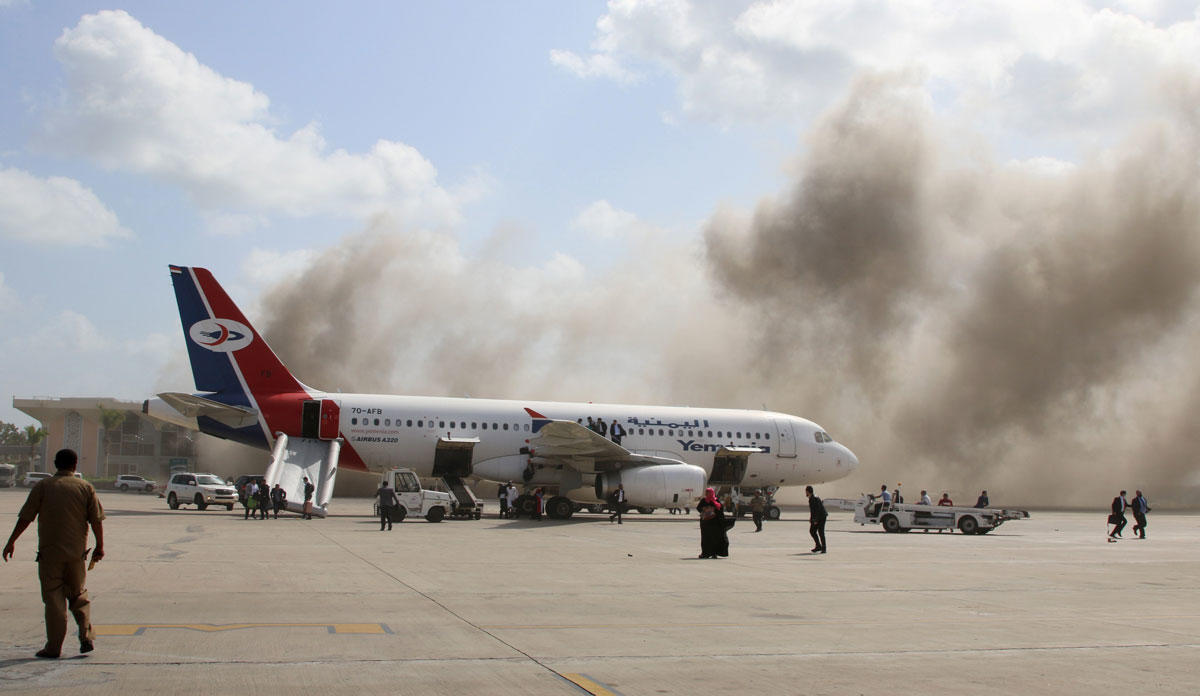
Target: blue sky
(244, 136)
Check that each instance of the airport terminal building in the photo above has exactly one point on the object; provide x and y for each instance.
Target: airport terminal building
(134, 445)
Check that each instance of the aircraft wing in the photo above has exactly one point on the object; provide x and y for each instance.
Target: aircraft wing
(194, 406)
(568, 440)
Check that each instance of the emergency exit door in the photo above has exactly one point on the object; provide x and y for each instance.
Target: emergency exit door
(319, 419)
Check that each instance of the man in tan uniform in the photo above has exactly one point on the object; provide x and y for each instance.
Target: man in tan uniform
(64, 507)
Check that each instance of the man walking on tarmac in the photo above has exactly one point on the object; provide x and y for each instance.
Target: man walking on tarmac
(1117, 517)
(64, 506)
(816, 519)
(387, 503)
(1140, 507)
(617, 500)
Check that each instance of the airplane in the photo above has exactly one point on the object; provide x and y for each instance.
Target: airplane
(666, 458)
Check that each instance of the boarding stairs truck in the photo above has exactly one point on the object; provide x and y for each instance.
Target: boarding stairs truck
(903, 517)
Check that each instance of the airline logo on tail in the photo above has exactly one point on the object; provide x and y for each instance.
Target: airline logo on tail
(220, 335)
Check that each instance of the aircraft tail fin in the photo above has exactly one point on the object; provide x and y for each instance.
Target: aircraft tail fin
(231, 362)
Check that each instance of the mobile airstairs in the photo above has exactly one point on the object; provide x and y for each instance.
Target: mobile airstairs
(297, 457)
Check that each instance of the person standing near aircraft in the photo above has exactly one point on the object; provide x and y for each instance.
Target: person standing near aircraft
(714, 541)
(264, 500)
(616, 431)
(982, 502)
(896, 497)
(757, 505)
(945, 501)
(387, 503)
(1140, 508)
(602, 427)
(591, 425)
(251, 500)
(308, 494)
(64, 506)
(925, 500)
(1117, 517)
(618, 504)
(511, 494)
(278, 499)
(816, 519)
(537, 505)
(502, 495)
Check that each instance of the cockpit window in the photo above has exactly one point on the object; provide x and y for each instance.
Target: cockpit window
(822, 436)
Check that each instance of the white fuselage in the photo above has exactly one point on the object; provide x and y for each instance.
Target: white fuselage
(403, 431)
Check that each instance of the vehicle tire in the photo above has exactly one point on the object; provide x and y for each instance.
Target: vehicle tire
(559, 508)
(436, 514)
(890, 524)
(773, 512)
(200, 504)
(478, 514)
(229, 507)
(399, 512)
(525, 504)
(124, 487)
(172, 501)
(969, 525)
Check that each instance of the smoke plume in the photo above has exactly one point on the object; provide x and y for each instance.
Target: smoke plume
(960, 323)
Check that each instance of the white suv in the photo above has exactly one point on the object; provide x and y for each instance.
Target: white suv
(126, 481)
(32, 477)
(200, 490)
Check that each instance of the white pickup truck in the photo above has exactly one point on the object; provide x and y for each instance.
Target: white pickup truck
(904, 517)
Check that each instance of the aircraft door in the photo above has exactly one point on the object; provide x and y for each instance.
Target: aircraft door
(787, 439)
(310, 419)
(330, 419)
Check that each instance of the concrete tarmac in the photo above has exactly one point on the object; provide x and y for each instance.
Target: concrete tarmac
(206, 602)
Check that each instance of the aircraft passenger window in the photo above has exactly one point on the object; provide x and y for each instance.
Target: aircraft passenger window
(660, 431)
(353, 421)
(387, 421)
(473, 426)
(671, 433)
(641, 431)
(441, 424)
(408, 423)
(719, 434)
(506, 426)
(526, 427)
(376, 421)
(420, 424)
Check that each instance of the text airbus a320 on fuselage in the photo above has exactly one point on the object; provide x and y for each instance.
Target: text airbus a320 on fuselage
(667, 457)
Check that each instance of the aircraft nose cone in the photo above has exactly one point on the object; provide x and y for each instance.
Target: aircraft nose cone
(851, 460)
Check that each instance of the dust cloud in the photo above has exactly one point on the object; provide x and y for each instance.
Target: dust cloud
(959, 322)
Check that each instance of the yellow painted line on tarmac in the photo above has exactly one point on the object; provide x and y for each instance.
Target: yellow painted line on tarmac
(589, 685)
(339, 628)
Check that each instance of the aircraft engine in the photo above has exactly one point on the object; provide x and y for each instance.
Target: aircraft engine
(657, 485)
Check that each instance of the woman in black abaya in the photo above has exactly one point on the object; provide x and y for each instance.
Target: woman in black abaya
(713, 540)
